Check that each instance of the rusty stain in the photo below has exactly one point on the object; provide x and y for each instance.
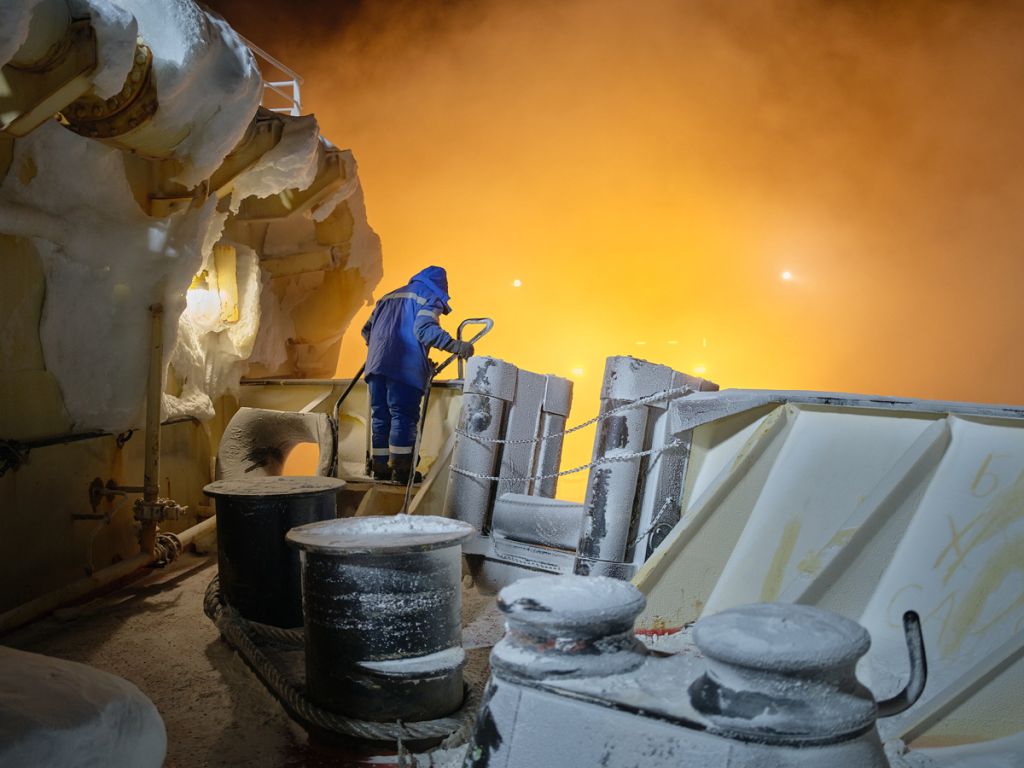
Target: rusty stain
(27, 170)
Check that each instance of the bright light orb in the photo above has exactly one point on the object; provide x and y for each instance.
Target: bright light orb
(516, 283)
(577, 371)
(787, 275)
(700, 369)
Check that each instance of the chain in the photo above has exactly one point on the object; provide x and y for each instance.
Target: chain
(662, 395)
(574, 470)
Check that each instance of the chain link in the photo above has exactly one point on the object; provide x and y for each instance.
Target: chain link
(662, 395)
(574, 470)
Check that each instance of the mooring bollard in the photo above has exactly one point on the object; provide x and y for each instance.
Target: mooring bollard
(259, 572)
(382, 600)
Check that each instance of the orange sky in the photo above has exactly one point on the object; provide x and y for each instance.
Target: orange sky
(649, 169)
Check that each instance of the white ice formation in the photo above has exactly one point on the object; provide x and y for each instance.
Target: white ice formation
(130, 221)
(56, 713)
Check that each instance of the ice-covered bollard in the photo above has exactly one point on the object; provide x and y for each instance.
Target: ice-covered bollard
(783, 674)
(569, 626)
(259, 573)
(382, 601)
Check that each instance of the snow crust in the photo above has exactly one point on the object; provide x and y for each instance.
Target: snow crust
(382, 534)
(105, 263)
(292, 163)
(15, 16)
(116, 34)
(61, 714)
(438, 662)
(207, 83)
(210, 354)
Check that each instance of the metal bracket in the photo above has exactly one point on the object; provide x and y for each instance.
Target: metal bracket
(912, 691)
(157, 511)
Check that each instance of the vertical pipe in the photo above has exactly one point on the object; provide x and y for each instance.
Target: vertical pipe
(549, 456)
(154, 392)
(469, 498)
(611, 489)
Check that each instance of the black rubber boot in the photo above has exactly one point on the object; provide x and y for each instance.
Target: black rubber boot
(401, 466)
(379, 469)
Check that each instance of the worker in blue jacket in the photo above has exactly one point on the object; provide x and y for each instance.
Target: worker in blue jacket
(400, 332)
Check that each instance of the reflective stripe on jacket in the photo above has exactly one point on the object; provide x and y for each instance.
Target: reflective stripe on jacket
(403, 327)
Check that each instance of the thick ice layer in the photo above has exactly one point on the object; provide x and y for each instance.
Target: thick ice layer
(116, 34)
(207, 84)
(15, 16)
(210, 354)
(105, 262)
(61, 713)
(292, 163)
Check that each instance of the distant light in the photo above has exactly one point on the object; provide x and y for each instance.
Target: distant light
(516, 283)
(577, 371)
(641, 343)
(787, 275)
(700, 369)
(672, 341)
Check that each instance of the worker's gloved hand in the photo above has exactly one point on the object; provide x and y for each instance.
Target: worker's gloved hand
(462, 348)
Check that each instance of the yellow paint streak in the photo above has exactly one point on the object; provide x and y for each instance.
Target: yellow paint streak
(963, 619)
(773, 580)
(811, 564)
(842, 538)
(1006, 509)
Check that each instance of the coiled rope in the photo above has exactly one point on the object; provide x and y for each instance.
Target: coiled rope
(238, 632)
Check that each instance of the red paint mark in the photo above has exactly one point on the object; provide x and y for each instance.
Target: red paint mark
(660, 632)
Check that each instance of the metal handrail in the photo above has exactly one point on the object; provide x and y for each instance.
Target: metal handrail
(294, 80)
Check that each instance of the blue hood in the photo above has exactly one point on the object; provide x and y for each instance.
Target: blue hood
(434, 282)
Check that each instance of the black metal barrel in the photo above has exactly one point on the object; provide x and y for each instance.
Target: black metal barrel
(382, 600)
(259, 572)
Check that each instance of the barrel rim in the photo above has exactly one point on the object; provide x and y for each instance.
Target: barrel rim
(274, 486)
(313, 537)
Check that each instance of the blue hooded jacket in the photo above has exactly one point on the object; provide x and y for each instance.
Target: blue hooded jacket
(403, 327)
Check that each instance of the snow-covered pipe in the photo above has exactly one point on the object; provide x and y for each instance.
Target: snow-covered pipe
(205, 81)
(170, 81)
(76, 590)
(46, 29)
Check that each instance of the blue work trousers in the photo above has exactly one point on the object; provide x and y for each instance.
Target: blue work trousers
(394, 417)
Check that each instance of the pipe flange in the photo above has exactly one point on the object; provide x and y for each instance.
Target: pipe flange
(97, 118)
(78, 31)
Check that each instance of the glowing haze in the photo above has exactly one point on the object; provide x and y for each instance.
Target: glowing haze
(773, 194)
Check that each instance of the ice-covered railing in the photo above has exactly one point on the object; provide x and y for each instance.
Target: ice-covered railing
(281, 84)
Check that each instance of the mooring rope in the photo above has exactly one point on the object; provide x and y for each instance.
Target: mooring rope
(236, 631)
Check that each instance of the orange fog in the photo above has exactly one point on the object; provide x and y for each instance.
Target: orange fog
(649, 170)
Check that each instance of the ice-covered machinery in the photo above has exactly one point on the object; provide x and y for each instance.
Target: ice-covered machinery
(766, 685)
(505, 466)
(869, 507)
